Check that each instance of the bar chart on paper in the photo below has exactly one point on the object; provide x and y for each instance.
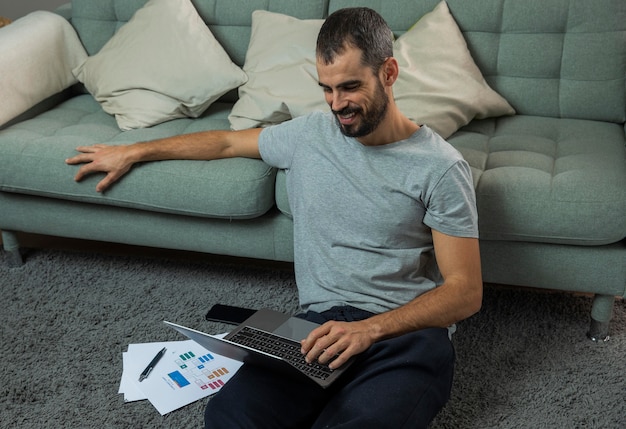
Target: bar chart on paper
(198, 370)
(187, 372)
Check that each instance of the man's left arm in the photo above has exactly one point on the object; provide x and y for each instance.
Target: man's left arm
(458, 297)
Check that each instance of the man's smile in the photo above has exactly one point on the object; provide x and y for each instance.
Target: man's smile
(346, 116)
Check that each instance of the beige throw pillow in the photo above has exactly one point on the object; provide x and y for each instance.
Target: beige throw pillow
(439, 83)
(38, 53)
(282, 77)
(163, 64)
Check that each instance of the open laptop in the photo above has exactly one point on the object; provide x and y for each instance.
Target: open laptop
(270, 339)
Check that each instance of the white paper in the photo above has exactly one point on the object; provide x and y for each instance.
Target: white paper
(127, 387)
(187, 372)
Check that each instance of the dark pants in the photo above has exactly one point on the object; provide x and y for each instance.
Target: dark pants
(398, 383)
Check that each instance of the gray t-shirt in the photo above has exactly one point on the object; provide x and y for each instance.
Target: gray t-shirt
(363, 215)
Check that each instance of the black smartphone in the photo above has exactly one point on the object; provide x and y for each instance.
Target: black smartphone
(228, 314)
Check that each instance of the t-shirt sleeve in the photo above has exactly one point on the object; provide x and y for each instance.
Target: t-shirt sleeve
(278, 143)
(451, 205)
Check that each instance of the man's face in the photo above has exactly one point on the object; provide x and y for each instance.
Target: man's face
(354, 93)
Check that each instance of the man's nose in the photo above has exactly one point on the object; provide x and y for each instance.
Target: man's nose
(336, 101)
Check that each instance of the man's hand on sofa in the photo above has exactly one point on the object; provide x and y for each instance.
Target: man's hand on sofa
(115, 161)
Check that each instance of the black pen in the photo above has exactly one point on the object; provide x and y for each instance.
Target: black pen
(146, 372)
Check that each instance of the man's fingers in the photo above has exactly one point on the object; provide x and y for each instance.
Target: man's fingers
(82, 172)
(98, 158)
(316, 351)
(79, 159)
(334, 355)
(85, 154)
(312, 338)
(334, 343)
(322, 345)
(328, 354)
(339, 359)
(108, 180)
(86, 169)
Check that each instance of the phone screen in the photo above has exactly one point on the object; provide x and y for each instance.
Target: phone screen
(228, 314)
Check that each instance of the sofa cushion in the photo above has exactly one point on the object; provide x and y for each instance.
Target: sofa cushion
(33, 152)
(439, 83)
(144, 78)
(546, 179)
(38, 54)
(282, 76)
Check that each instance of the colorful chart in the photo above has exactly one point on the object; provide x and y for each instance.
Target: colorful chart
(197, 371)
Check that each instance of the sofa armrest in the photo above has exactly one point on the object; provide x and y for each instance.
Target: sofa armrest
(37, 55)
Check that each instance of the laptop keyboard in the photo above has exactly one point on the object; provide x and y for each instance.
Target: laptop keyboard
(284, 348)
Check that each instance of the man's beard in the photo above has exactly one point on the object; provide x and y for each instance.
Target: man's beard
(369, 121)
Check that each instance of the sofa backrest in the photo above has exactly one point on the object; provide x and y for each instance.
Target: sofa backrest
(558, 58)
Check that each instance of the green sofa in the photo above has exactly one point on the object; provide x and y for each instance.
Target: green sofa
(550, 180)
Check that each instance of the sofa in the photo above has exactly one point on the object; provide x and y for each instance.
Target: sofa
(547, 153)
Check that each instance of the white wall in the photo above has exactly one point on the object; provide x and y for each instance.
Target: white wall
(14, 9)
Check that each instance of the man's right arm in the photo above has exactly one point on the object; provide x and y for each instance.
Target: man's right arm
(116, 161)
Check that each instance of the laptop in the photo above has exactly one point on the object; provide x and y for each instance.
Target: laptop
(269, 339)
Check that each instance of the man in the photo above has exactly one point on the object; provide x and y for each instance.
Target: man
(386, 249)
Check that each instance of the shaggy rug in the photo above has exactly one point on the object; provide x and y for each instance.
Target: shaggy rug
(522, 362)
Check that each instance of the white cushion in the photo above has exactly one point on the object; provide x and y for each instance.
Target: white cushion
(282, 77)
(163, 64)
(439, 83)
(37, 55)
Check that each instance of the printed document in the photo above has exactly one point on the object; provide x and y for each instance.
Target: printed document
(187, 372)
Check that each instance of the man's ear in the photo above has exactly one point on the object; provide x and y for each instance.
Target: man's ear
(390, 71)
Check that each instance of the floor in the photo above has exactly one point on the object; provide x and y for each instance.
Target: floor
(37, 241)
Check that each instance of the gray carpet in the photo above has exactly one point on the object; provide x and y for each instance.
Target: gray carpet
(522, 362)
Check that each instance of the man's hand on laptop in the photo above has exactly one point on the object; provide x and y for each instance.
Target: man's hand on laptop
(334, 342)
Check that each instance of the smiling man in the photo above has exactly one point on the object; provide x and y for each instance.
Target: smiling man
(385, 242)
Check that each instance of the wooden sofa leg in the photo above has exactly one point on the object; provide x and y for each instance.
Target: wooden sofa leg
(601, 313)
(12, 247)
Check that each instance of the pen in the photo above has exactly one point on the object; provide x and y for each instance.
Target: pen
(146, 372)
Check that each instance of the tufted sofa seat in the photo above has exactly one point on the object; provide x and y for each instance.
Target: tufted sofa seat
(541, 180)
(173, 187)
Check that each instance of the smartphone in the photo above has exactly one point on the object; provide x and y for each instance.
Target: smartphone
(228, 314)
